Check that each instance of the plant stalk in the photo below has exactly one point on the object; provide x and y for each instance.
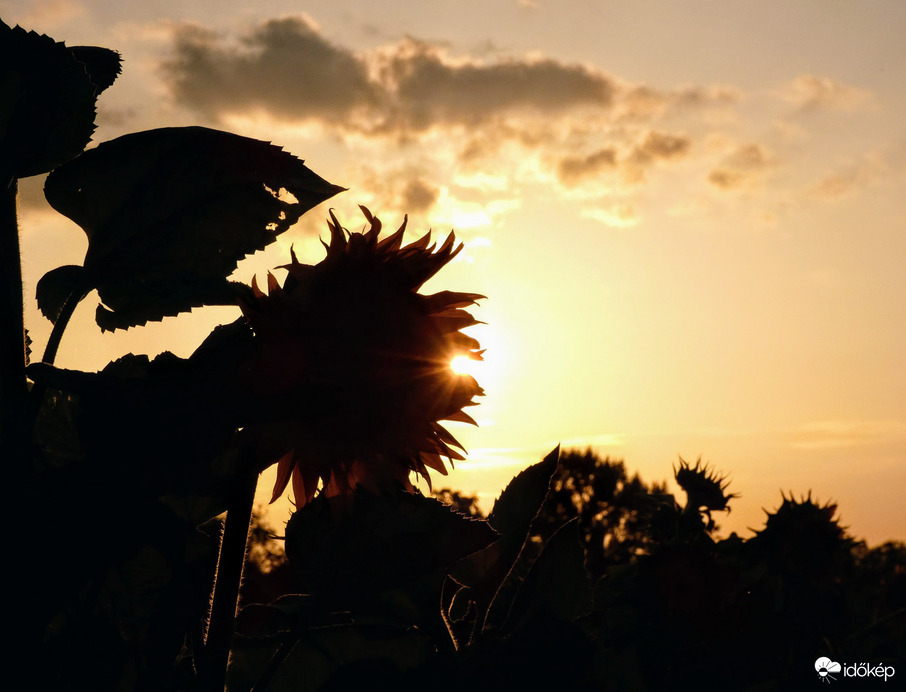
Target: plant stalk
(226, 587)
(13, 388)
(56, 335)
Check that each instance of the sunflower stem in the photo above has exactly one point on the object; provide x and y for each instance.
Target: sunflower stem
(56, 335)
(226, 586)
(13, 387)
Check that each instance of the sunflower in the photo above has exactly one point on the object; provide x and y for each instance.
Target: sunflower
(356, 363)
(705, 489)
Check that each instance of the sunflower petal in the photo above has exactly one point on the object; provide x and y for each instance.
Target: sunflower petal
(284, 470)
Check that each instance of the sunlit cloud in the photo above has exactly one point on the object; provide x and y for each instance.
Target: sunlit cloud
(812, 93)
(830, 434)
(572, 170)
(642, 102)
(600, 440)
(457, 137)
(853, 175)
(52, 13)
(630, 166)
(467, 215)
(742, 167)
(617, 215)
(493, 458)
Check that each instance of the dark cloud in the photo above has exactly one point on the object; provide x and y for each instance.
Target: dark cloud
(285, 67)
(399, 189)
(426, 88)
(418, 196)
(632, 166)
(572, 170)
(661, 145)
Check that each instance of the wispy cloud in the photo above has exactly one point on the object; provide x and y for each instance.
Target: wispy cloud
(812, 93)
(742, 167)
(830, 434)
(52, 13)
(852, 175)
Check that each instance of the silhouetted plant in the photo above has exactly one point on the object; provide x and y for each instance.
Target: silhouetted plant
(461, 502)
(353, 365)
(613, 508)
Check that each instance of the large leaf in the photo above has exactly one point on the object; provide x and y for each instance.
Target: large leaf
(520, 501)
(170, 212)
(56, 287)
(47, 99)
(381, 543)
(488, 575)
(557, 585)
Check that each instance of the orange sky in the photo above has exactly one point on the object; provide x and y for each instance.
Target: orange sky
(688, 216)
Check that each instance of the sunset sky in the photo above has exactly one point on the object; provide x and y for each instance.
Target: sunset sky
(689, 217)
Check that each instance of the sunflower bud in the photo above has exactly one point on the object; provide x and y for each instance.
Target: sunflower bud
(705, 490)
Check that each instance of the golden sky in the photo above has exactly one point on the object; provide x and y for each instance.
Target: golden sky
(688, 217)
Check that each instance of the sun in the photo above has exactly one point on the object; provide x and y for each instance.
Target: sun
(463, 365)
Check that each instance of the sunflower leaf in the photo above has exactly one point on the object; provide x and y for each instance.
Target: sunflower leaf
(557, 584)
(102, 65)
(55, 287)
(384, 542)
(170, 212)
(520, 501)
(47, 99)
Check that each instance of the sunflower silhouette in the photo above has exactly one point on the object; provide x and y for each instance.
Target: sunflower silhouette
(359, 362)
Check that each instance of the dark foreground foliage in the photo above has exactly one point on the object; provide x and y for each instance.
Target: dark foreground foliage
(683, 609)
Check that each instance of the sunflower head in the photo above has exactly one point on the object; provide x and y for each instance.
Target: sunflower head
(801, 537)
(705, 489)
(355, 363)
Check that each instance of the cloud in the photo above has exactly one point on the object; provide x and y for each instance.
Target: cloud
(52, 13)
(642, 102)
(653, 147)
(660, 145)
(425, 88)
(599, 440)
(285, 67)
(832, 434)
(572, 170)
(868, 169)
(615, 214)
(418, 195)
(844, 181)
(289, 69)
(742, 167)
(811, 93)
(519, 119)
